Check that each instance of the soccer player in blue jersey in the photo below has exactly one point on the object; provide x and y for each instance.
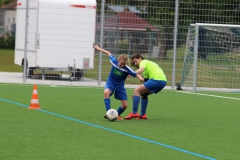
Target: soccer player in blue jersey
(115, 82)
(154, 81)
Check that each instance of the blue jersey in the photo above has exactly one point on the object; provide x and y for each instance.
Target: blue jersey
(118, 75)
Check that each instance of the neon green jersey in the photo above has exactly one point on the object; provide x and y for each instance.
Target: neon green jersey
(145, 75)
(152, 70)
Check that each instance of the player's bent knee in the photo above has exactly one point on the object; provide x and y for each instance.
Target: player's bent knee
(144, 96)
(106, 95)
(136, 92)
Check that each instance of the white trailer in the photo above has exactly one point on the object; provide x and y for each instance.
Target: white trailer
(60, 34)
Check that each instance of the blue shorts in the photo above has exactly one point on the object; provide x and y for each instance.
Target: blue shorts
(154, 86)
(119, 94)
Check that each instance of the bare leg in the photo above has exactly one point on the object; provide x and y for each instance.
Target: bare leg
(140, 90)
(107, 93)
(124, 104)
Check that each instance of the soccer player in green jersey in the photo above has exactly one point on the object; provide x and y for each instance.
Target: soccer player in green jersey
(154, 81)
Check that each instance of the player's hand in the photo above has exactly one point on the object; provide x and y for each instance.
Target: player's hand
(96, 47)
(129, 76)
(141, 79)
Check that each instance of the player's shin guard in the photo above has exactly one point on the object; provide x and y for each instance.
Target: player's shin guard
(144, 104)
(120, 110)
(136, 100)
(107, 103)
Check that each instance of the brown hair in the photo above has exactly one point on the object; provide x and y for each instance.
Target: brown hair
(137, 56)
(123, 57)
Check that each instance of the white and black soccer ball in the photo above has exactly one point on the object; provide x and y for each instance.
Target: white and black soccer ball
(112, 114)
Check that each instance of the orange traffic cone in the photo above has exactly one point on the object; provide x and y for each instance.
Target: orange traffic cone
(34, 101)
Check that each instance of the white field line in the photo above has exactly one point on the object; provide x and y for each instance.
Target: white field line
(211, 95)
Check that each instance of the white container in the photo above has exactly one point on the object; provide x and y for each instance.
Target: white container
(60, 33)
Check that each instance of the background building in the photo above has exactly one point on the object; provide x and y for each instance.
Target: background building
(8, 18)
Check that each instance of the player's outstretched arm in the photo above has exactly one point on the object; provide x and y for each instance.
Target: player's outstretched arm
(140, 70)
(140, 78)
(102, 50)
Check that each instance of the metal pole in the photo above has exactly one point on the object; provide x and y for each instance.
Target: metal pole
(101, 44)
(25, 43)
(175, 43)
(195, 57)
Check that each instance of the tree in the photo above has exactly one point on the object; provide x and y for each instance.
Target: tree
(161, 14)
(3, 2)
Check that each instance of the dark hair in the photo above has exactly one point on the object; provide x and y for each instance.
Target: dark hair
(137, 56)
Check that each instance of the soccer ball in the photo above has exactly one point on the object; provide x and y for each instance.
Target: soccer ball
(112, 114)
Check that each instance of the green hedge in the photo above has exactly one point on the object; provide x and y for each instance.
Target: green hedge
(7, 41)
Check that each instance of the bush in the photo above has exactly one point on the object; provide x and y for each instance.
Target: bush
(2, 42)
(8, 41)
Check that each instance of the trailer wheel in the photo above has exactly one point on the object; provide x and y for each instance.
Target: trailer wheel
(26, 66)
(31, 71)
(78, 74)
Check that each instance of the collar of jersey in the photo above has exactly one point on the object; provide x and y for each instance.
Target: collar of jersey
(116, 66)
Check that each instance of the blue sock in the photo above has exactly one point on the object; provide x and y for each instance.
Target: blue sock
(136, 100)
(120, 110)
(144, 104)
(107, 103)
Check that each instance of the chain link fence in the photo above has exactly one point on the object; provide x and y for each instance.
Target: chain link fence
(156, 29)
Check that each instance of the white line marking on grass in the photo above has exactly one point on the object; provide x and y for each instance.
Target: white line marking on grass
(50, 85)
(59, 86)
(115, 131)
(211, 95)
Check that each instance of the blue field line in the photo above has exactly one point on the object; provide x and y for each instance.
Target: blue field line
(115, 131)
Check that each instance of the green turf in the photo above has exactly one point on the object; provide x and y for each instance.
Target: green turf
(7, 61)
(70, 125)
